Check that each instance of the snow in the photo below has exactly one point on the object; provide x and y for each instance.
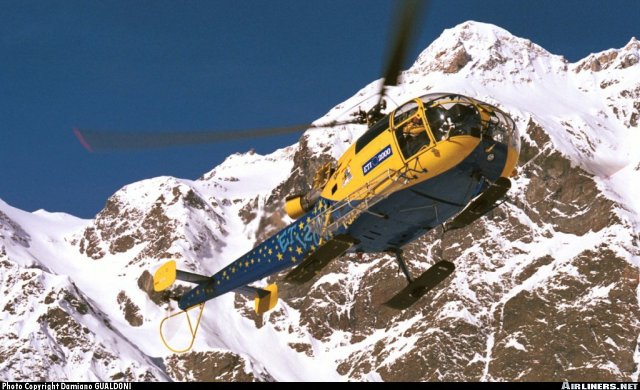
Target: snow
(452, 310)
(531, 84)
(512, 342)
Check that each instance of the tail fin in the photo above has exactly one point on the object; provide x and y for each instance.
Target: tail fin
(266, 299)
(164, 276)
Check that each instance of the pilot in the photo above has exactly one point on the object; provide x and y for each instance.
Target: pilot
(466, 120)
(413, 136)
(413, 127)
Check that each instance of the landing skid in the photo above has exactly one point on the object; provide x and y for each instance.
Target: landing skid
(419, 287)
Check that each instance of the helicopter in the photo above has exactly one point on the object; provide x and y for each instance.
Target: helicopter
(441, 160)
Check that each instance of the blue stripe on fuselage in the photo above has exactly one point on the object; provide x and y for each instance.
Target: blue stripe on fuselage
(287, 248)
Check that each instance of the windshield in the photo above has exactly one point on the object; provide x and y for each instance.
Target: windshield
(450, 115)
(453, 115)
(502, 129)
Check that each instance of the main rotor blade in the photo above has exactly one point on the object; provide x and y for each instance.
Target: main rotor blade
(102, 140)
(405, 32)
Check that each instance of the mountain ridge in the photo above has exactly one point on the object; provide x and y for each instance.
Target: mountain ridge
(539, 279)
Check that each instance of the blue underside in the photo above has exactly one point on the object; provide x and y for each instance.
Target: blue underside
(391, 223)
(408, 214)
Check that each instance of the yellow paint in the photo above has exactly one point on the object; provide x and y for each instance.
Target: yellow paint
(293, 207)
(164, 276)
(442, 157)
(510, 165)
(263, 305)
(432, 160)
(395, 173)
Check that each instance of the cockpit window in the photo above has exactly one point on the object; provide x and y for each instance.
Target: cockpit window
(502, 129)
(451, 114)
(372, 133)
(410, 130)
(437, 116)
(447, 119)
(407, 110)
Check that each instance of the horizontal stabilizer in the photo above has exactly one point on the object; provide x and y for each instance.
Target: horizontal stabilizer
(191, 277)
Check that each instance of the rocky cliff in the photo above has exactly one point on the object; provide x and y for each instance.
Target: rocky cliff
(546, 285)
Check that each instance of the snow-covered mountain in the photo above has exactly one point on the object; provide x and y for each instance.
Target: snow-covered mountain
(546, 286)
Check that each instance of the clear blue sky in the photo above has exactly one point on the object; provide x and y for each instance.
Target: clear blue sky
(210, 64)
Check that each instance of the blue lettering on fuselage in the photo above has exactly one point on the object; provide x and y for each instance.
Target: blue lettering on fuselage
(301, 234)
(377, 159)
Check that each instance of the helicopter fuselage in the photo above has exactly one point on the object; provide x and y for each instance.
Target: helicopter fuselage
(409, 173)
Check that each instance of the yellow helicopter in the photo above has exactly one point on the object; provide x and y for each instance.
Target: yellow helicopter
(438, 160)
